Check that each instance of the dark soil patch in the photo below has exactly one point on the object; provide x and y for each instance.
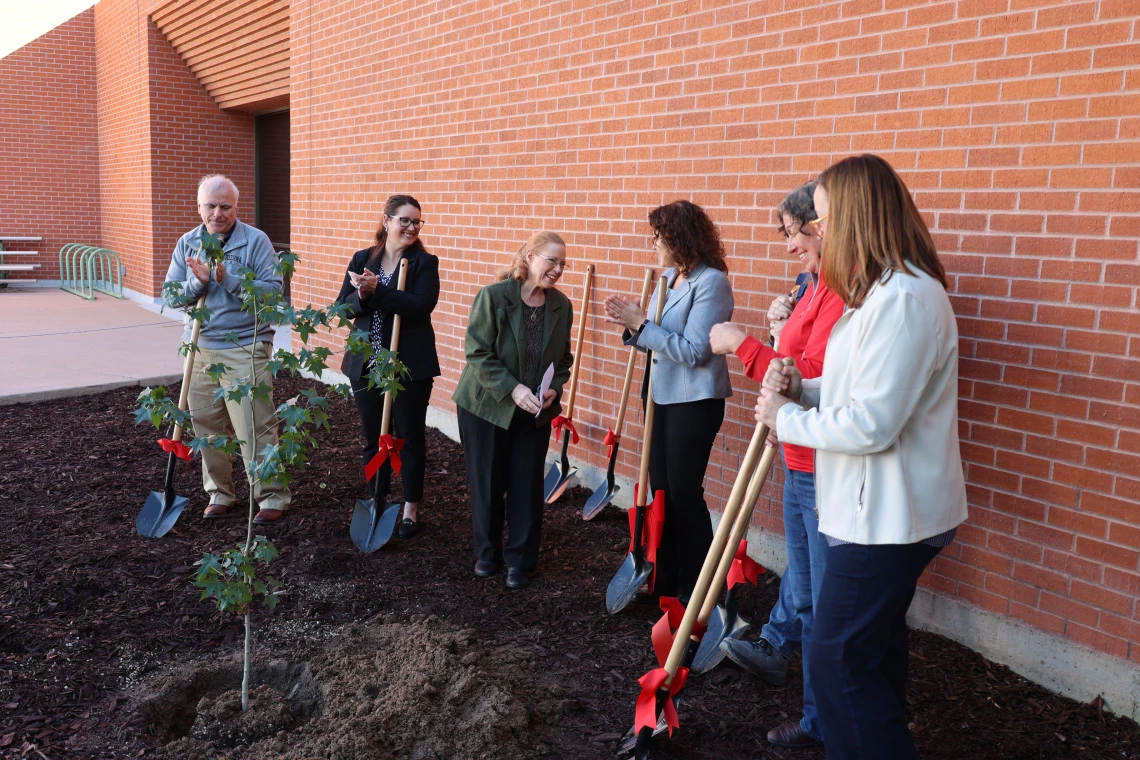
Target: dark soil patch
(93, 618)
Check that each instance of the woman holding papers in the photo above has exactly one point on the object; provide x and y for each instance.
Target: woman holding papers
(518, 359)
(370, 290)
(690, 382)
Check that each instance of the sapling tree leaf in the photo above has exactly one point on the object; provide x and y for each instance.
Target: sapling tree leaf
(216, 371)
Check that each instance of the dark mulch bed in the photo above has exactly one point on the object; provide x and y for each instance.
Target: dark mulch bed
(89, 610)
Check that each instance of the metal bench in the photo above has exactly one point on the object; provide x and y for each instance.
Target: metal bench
(5, 266)
(84, 269)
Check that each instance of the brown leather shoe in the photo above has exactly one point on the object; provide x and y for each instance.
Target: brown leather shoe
(214, 511)
(791, 735)
(264, 516)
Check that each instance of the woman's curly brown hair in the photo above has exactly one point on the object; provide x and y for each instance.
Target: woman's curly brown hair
(690, 235)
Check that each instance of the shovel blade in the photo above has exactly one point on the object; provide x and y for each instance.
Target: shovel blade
(157, 517)
(557, 482)
(373, 524)
(630, 741)
(630, 577)
(598, 500)
(720, 628)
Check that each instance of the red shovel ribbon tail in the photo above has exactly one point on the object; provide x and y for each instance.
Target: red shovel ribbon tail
(559, 422)
(390, 447)
(651, 683)
(610, 440)
(177, 448)
(654, 528)
(664, 629)
(744, 568)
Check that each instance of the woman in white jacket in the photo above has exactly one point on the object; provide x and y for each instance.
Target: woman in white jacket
(883, 420)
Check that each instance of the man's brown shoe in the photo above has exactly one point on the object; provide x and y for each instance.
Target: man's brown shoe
(264, 516)
(215, 510)
(791, 735)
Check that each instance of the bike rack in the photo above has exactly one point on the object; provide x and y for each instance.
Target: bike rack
(84, 269)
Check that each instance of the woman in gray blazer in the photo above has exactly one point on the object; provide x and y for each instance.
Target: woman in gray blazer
(690, 383)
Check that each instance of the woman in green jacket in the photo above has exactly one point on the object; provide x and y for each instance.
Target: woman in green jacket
(519, 327)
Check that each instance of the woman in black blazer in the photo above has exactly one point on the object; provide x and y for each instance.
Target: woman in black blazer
(374, 302)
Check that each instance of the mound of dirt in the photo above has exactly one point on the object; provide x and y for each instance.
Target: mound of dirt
(222, 723)
(415, 690)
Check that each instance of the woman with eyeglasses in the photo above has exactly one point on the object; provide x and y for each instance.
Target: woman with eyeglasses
(518, 329)
(690, 383)
(374, 302)
(799, 326)
(883, 420)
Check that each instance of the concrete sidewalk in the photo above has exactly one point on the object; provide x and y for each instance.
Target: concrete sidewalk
(54, 344)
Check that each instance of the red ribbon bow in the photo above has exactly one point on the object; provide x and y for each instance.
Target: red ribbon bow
(664, 630)
(610, 440)
(557, 424)
(651, 682)
(177, 448)
(744, 568)
(389, 447)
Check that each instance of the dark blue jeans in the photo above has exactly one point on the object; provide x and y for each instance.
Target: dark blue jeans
(859, 655)
(791, 620)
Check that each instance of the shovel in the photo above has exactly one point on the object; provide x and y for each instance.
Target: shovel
(604, 493)
(373, 521)
(660, 688)
(725, 622)
(638, 566)
(561, 474)
(163, 507)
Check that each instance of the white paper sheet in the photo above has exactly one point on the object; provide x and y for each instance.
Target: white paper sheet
(544, 386)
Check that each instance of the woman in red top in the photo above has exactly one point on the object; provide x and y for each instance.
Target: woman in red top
(799, 326)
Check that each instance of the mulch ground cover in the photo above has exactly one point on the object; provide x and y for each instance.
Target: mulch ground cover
(106, 652)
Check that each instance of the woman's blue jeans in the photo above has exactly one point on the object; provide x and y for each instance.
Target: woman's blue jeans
(791, 619)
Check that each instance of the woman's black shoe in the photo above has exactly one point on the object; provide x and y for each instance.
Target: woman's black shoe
(517, 577)
(485, 569)
(409, 528)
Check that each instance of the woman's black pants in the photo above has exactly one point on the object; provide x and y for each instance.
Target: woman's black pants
(683, 436)
(409, 416)
(504, 476)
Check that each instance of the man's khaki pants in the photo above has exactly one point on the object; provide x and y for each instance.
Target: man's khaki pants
(224, 417)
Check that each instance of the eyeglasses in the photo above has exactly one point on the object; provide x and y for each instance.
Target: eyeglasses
(816, 225)
(405, 222)
(555, 263)
(212, 207)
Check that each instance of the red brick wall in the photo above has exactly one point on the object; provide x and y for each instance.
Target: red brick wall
(1016, 124)
(49, 148)
(189, 138)
(159, 132)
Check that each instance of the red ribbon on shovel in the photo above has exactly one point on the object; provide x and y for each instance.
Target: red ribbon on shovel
(177, 448)
(390, 446)
(610, 440)
(557, 424)
(651, 530)
(744, 568)
(651, 682)
(664, 630)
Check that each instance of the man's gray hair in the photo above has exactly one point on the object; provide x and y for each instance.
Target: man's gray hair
(212, 182)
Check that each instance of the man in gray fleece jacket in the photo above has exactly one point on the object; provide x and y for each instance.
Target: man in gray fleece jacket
(228, 338)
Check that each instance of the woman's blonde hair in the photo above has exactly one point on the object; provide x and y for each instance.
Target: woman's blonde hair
(873, 228)
(519, 268)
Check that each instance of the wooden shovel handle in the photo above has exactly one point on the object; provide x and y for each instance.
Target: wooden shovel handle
(394, 344)
(740, 527)
(188, 369)
(647, 435)
(582, 312)
(632, 362)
